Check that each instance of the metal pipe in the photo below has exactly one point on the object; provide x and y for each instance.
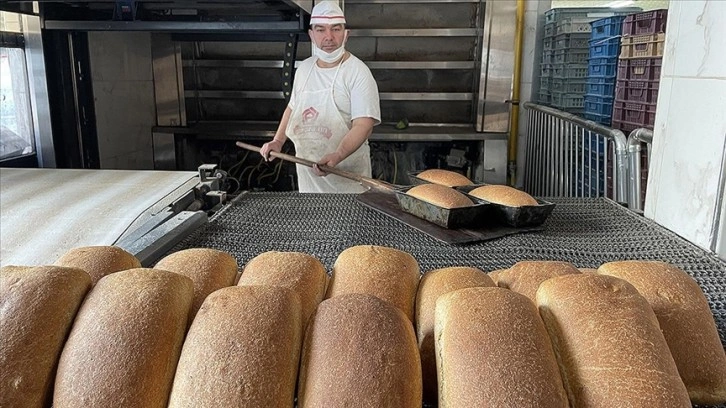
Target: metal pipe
(514, 118)
(635, 138)
(618, 137)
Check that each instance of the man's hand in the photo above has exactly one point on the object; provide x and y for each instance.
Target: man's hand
(273, 146)
(330, 160)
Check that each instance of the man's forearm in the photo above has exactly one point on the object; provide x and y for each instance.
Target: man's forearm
(280, 135)
(356, 136)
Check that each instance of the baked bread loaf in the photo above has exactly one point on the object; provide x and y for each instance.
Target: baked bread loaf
(608, 343)
(503, 195)
(525, 276)
(587, 270)
(125, 342)
(98, 261)
(444, 177)
(209, 270)
(359, 351)
(493, 351)
(242, 350)
(686, 322)
(37, 307)
(383, 272)
(302, 273)
(441, 196)
(432, 285)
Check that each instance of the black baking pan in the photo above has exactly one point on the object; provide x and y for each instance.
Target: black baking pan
(460, 217)
(524, 216)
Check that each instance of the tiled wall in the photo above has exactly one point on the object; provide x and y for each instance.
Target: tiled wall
(686, 177)
(123, 88)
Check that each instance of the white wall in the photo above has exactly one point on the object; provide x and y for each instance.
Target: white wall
(686, 176)
(123, 87)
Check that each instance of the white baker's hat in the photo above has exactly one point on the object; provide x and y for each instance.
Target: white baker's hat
(327, 12)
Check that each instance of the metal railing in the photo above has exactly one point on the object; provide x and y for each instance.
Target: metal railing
(635, 139)
(568, 156)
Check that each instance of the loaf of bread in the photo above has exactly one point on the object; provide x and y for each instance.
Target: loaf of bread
(492, 350)
(441, 196)
(125, 342)
(98, 261)
(302, 273)
(432, 285)
(359, 351)
(503, 195)
(383, 272)
(587, 270)
(444, 177)
(526, 276)
(37, 307)
(608, 343)
(242, 350)
(209, 270)
(686, 322)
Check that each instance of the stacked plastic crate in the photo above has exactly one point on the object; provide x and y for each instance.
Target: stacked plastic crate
(636, 92)
(639, 66)
(604, 47)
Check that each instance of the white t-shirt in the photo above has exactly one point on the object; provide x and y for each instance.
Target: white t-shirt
(355, 92)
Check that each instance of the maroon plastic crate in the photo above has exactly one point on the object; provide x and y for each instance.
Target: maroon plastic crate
(637, 91)
(642, 114)
(627, 127)
(648, 22)
(641, 69)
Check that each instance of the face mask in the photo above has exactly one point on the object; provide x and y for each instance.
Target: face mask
(330, 57)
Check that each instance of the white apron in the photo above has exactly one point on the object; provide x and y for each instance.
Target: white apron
(316, 128)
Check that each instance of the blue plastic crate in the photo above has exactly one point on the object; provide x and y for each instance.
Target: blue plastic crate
(602, 67)
(599, 105)
(604, 48)
(607, 27)
(601, 86)
(604, 120)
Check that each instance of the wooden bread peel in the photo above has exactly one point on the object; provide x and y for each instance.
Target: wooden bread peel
(364, 181)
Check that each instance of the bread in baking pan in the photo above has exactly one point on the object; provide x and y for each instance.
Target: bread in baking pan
(444, 177)
(99, 261)
(686, 322)
(503, 195)
(492, 350)
(242, 350)
(525, 276)
(125, 342)
(37, 307)
(302, 273)
(608, 343)
(441, 196)
(387, 273)
(209, 269)
(432, 285)
(359, 351)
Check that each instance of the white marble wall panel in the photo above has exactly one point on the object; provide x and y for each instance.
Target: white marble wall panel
(686, 177)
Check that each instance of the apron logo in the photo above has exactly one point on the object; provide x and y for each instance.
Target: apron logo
(308, 126)
(309, 115)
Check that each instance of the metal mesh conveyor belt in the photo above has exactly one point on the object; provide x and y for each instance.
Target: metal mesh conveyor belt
(585, 232)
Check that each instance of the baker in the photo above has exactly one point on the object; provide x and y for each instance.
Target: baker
(332, 110)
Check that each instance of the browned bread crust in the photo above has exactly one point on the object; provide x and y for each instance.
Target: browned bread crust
(125, 342)
(525, 276)
(209, 269)
(302, 273)
(432, 285)
(98, 261)
(608, 343)
(37, 307)
(359, 351)
(503, 195)
(242, 350)
(493, 351)
(686, 322)
(444, 177)
(441, 196)
(386, 273)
